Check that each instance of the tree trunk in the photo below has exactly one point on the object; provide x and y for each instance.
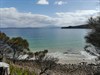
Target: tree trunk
(14, 56)
(43, 71)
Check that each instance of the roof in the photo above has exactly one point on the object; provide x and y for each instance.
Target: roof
(3, 64)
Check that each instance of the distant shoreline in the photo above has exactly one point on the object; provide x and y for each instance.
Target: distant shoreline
(77, 27)
(73, 28)
(29, 27)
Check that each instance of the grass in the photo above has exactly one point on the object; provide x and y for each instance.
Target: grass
(16, 70)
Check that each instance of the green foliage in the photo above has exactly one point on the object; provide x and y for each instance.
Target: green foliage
(94, 23)
(3, 37)
(93, 37)
(40, 55)
(19, 43)
(3, 45)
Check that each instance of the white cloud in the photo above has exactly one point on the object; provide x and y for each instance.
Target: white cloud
(75, 18)
(60, 2)
(11, 17)
(43, 2)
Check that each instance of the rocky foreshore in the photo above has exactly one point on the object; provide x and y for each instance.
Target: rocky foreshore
(62, 69)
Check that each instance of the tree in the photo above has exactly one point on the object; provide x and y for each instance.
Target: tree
(30, 55)
(45, 62)
(19, 45)
(40, 55)
(4, 48)
(48, 63)
(93, 38)
(3, 38)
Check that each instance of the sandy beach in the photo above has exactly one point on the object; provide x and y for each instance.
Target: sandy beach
(73, 58)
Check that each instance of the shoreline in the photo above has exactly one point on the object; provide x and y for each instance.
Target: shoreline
(68, 57)
(71, 64)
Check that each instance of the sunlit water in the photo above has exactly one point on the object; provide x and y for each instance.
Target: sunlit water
(52, 39)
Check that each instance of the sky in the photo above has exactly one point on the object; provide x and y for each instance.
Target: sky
(46, 13)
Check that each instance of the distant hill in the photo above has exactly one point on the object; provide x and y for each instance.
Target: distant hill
(77, 27)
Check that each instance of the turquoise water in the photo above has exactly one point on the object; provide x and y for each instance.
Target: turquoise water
(52, 39)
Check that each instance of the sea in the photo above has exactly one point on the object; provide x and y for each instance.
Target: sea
(56, 40)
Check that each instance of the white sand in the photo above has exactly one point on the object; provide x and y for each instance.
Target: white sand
(73, 58)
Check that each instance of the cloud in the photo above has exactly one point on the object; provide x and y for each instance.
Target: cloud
(78, 17)
(60, 2)
(11, 17)
(43, 2)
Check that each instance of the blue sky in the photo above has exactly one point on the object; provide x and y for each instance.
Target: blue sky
(51, 10)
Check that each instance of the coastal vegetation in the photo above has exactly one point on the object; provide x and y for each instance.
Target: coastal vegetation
(19, 46)
(15, 46)
(93, 37)
(18, 70)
